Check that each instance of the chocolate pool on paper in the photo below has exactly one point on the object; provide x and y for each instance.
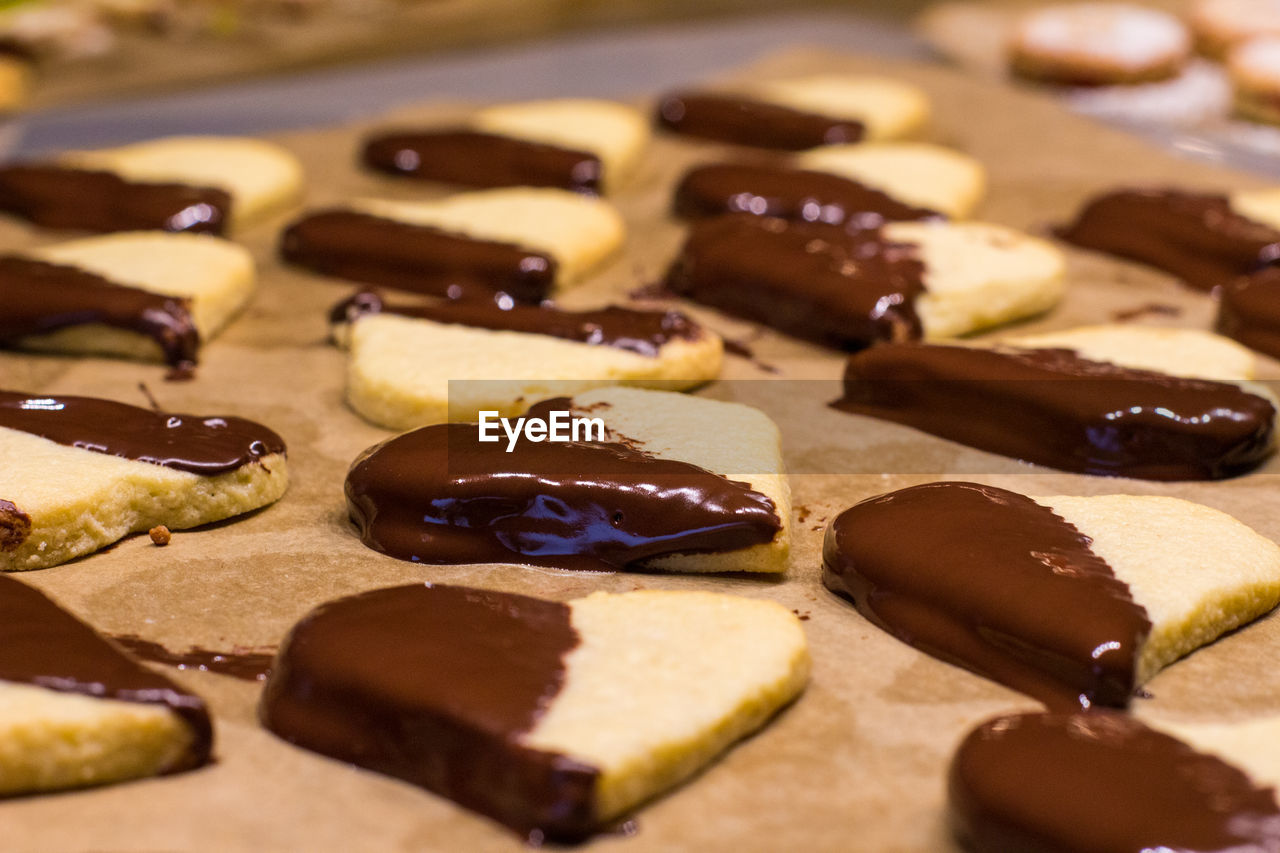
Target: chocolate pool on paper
(40, 298)
(461, 675)
(438, 495)
(477, 159)
(1102, 782)
(745, 121)
(991, 581)
(1196, 237)
(812, 280)
(418, 258)
(1054, 408)
(63, 197)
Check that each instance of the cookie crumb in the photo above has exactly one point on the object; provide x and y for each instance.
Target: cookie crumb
(160, 535)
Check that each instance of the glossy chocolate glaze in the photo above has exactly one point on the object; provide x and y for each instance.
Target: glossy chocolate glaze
(62, 197)
(1053, 408)
(992, 581)
(205, 446)
(438, 495)
(461, 674)
(1249, 311)
(744, 121)
(363, 247)
(1101, 782)
(245, 665)
(478, 159)
(815, 281)
(795, 194)
(40, 297)
(43, 645)
(1196, 237)
(641, 332)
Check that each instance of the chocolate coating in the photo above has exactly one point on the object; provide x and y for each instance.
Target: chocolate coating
(1249, 311)
(45, 646)
(991, 581)
(461, 674)
(54, 196)
(478, 159)
(417, 258)
(795, 194)
(1054, 408)
(205, 446)
(1102, 782)
(815, 281)
(1196, 237)
(245, 665)
(641, 332)
(40, 297)
(744, 121)
(438, 495)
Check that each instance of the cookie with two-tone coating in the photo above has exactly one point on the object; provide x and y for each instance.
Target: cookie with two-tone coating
(642, 481)
(525, 243)
(552, 718)
(81, 473)
(575, 144)
(145, 295)
(539, 351)
(210, 184)
(1076, 601)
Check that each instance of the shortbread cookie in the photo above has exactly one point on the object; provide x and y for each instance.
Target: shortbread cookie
(1249, 311)
(569, 143)
(179, 183)
(652, 485)
(1220, 25)
(1205, 239)
(1073, 600)
(1177, 352)
(1102, 781)
(552, 718)
(862, 186)
(76, 711)
(800, 113)
(1098, 44)
(15, 83)
(1254, 67)
(847, 290)
(538, 351)
(145, 294)
(526, 243)
(81, 473)
(1060, 408)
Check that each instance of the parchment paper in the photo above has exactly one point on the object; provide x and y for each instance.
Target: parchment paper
(858, 763)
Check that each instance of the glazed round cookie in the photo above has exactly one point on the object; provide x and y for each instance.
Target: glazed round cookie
(1219, 25)
(1255, 75)
(1098, 44)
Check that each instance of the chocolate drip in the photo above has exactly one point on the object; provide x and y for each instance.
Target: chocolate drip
(45, 646)
(15, 526)
(205, 446)
(794, 194)
(641, 332)
(438, 495)
(245, 665)
(1102, 782)
(65, 197)
(41, 297)
(1054, 408)
(1250, 311)
(479, 159)
(461, 674)
(815, 281)
(991, 581)
(418, 258)
(1196, 237)
(744, 121)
